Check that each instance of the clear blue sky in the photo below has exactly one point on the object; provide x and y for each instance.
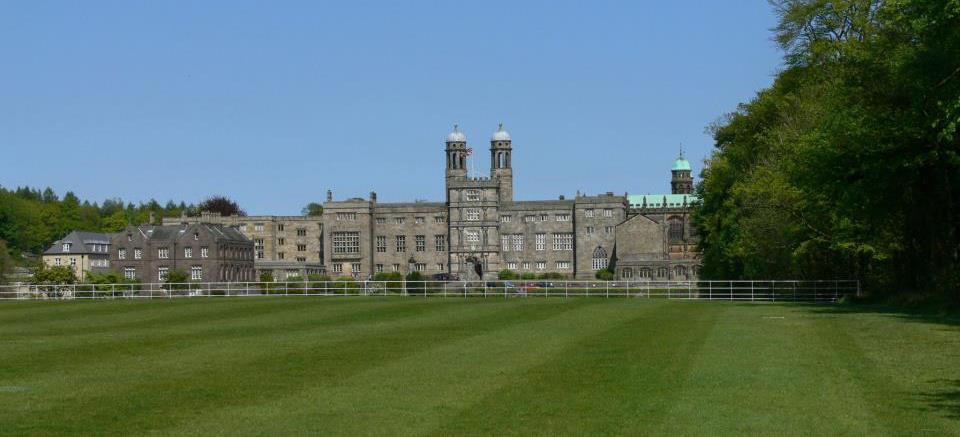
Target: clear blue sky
(272, 103)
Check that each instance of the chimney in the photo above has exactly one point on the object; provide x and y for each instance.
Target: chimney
(329, 196)
(373, 196)
(562, 197)
(152, 217)
(183, 216)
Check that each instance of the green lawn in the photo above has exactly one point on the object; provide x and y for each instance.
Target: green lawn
(384, 366)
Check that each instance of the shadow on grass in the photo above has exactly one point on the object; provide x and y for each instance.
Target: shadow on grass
(945, 399)
(919, 314)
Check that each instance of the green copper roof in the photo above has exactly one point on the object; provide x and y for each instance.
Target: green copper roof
(661, 200)
(681, 164)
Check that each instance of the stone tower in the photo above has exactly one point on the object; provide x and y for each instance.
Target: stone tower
(500, 163)
(456, 154)
(682, 181)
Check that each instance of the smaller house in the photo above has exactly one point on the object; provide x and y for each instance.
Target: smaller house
(82, 251)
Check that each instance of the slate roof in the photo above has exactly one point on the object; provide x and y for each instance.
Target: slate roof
(81, 242)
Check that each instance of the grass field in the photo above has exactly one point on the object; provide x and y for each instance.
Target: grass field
(451, 366)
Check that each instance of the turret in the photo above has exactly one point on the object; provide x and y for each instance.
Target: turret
(501, 169)
(681, 181)
(456, 154)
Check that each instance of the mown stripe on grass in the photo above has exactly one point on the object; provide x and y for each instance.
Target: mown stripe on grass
(616, 380)
(182, 384)
(419, 393)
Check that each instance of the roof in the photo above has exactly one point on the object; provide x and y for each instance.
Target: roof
(456, 135)
(500, 134)
(661, 200)
(173, 232)
(81, 242)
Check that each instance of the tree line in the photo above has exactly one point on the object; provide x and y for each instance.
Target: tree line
(848, 165)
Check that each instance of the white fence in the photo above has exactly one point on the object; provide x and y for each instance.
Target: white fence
(754, 291)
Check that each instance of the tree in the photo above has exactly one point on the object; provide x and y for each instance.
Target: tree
(222, 205)
(177, 276)
(312, 209)
(44, 274)
(6, 262)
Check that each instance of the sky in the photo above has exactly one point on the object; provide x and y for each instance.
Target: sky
(274, 103)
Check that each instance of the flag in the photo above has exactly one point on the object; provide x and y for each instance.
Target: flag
(469, 151)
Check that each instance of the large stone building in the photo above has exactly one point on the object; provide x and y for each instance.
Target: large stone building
(83, 252)
(480, 228)
(207, 252)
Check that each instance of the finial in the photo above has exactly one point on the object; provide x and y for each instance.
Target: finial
(681, 149)
(456, 127)
(500, 127)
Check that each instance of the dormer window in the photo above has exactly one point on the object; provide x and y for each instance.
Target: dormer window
(129, 237)
(66, 247)
(196, 236)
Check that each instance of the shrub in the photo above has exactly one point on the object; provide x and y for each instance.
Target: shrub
(415, 283)
(528, 276)
(506, 274)
(604, 275)
(552, 275)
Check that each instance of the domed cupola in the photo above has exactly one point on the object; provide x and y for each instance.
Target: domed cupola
(500, 134)
(456, 135)
(682, 181)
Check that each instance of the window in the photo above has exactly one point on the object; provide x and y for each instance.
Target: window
(162, 273)
(345, 216)
(196, 236)
(196, 273)
(163, 253)
(504, 219)
(121, 253)
(337, 268)
(599, 259)
(281, 241)
(563, 265)
(644, 272)
(588, 212)
(418, 220)
(346, 242)
(563, 217)
(419, 267)
(66, 247)
(56, 261)
(528, 218)
(512, 265)
(472, 236)
(381, 243)
(543, 217)
(243, 227)
(440, 219)
(398, 220)
(473, 195)
(188, 252)
(676, 229)
(473, 215)
(129, 273)
(440, 241)
(355, 268)
(381, 221)
(420, 243)
(379, 268)
(608, 212)
(258, 226)
(301, 232)
(541, 265)
(259, 254)
(608, 230)
(518, 242)
(505, 243)
(440, 267)
(301, 259)
(137, 253)
(562, 241)
(589, 229)
(301, 248)
(401, 243)
(540, 241)
(396, 267)
(626, 273)
(204, 252)
(73, 262)
(280, 227)
(680, 271)
(281, 255)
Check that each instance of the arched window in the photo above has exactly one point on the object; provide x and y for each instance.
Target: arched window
(676, 229)
(599, 258)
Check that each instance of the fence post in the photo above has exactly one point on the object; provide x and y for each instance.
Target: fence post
(710, 290)
(607, 285)
(751, 291)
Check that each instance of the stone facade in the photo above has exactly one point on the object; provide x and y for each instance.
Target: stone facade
(480, 229)
(84, 252)
(206, 252)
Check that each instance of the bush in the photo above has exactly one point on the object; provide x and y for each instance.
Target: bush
(506, 275)
(317, 283)
(552, 275)
(604, 275)
(415, 284)
(394, 281)
(344, 285)
(528, 276)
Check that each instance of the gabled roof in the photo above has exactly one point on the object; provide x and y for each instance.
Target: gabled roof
(80, 243)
